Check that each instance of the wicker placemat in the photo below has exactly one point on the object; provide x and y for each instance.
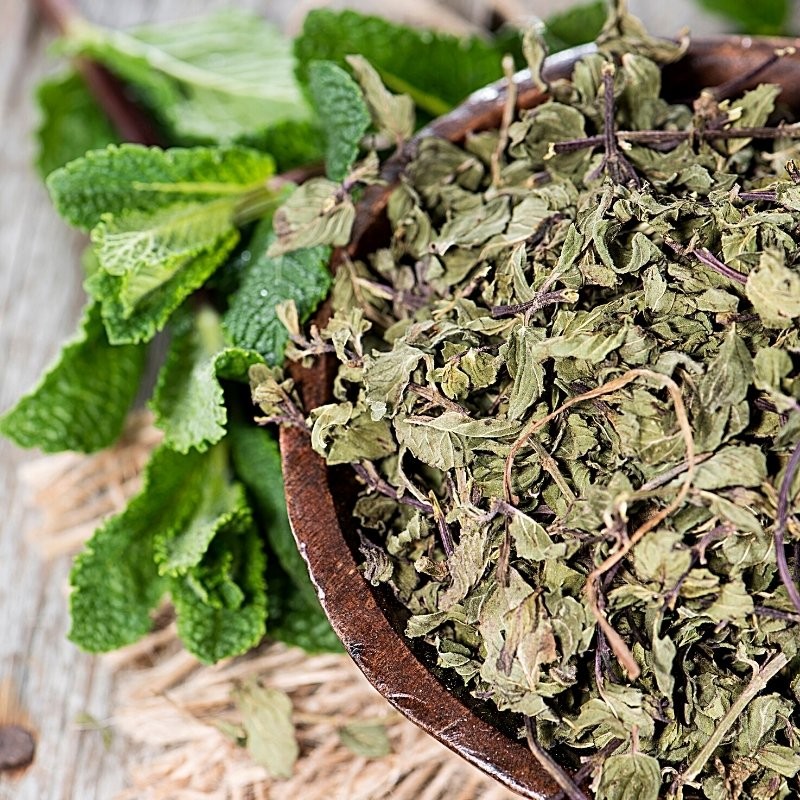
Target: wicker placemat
(183, 712)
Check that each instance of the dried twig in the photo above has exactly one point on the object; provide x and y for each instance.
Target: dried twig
(757, 684)
(568, 786)
(780, 526)
(505, 122)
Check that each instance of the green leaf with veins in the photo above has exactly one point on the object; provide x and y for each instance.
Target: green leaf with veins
(221, 602)
(295, 619)
(129, 177)
(82, 400)
(295, 616)
(162, 221)
(145, 249)
(71, 123)
(154, 310)
(115, 582)
(257, 462)
(188, 401)
(438, 70)
(209, 499)
(218, 78)
(302, 276)
(343, 113)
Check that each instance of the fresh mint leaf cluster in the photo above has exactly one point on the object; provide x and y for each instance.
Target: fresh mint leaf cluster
(186, 241)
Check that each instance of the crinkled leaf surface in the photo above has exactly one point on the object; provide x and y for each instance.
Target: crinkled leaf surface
(222, 602)
(131, 177)
(341, 108)
(302, 276)
(82, 400)
(438, 70)
(189, 401)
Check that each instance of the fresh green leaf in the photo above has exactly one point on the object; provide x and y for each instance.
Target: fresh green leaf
(188, 401)
(257, 461)
(162, 222)
(71, 124)
(81, 402)
(221, 602)
(302, 276)
(115, 582)
(343, 113)
(204, 504)
(143, 250)
(152, 313)
(124, 178)
(764, 17)
(577, 25)
(218, 78)
(434, 67)
(295, 618)
(267, 720)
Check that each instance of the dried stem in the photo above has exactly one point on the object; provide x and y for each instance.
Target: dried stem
(621, 650)
(780, 527)
(614, 163)
(565, 782)
(739, 83)
(505, 122)
(441, 523)
(376, 483)
(437, 398)
(667, 139)
(541, 300)
(757, 684)
(710, 260)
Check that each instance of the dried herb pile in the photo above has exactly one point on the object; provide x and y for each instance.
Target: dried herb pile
(569, 385)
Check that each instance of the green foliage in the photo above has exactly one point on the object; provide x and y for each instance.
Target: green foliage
(301, 276)
(297, 620)
(162, 221)
(221, 602)
(188, 532)
(763, 17)
(81, 402)
(129, 177)
(71, 123)
(115, 581)
(438, 70)
(214, 79)
(188, 402)
(343, 113)
(577, 25)
(295, 616)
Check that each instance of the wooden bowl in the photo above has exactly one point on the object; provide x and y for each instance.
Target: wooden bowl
(369, 620)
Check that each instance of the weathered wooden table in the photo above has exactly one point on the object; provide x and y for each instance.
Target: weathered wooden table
(40, 300)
